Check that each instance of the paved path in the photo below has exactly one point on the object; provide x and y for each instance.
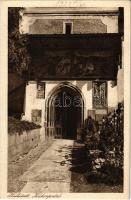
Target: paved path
(61, 168)
(50, 173)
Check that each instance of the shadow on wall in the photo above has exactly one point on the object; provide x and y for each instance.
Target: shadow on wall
(16, 101)
(80, 84)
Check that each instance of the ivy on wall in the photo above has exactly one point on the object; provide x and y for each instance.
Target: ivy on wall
(18, 56)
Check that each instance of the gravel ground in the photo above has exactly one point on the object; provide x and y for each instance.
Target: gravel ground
(18, 167)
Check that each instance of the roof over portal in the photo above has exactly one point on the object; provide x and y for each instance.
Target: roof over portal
(73, 10)
(74, 57)
(90, 41)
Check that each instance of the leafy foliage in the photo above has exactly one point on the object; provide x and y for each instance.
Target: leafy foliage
(18, 56)
(106, 150)
(17, 126)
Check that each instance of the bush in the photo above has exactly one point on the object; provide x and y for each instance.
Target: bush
(106, 151)
(17, 126)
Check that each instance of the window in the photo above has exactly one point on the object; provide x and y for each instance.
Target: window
(41, 90)
(36, 116)
(99, 94)
(68, 28)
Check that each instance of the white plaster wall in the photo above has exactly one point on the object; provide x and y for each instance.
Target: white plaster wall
(31, 102)
(120, 77)
(85, 86)
(30, 88)
(112, 95)
(86, 89)
(120, 85)
(110, 21)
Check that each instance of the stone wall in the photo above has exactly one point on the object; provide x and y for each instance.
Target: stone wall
(83, 23)
(55, 26)
(20, 144)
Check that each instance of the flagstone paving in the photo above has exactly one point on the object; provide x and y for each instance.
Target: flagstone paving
(51, 172)
(62, 168)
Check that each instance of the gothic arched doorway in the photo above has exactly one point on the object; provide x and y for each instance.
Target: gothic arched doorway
(65, 112)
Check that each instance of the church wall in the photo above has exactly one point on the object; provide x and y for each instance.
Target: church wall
(112, 96)
(81, 24)
(43, 23)
(120, 83)
(32, 102)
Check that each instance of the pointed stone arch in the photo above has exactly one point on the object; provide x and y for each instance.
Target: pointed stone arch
(50, 114)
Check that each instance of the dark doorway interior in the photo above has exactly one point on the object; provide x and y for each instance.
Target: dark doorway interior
(67, 113)
(68, 28)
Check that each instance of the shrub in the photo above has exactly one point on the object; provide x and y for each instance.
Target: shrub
(107, 156)
(18, 126)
